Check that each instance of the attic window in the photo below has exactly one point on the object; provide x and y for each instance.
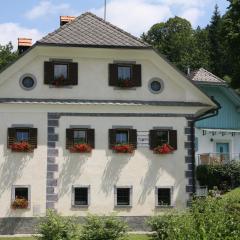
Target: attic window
(27, 82)
(60, 73)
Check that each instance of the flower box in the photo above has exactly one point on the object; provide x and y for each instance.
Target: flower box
(81, 148)
(21, 147)
(123, 148)
(20, 203)
(59, 81)
(164, 149)
(125, 83)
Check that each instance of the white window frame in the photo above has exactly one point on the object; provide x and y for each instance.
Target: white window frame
(130, 197)
(73, 196)
(171, 197)
(21, 186)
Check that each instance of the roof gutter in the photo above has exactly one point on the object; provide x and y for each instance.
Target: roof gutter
(208, 114)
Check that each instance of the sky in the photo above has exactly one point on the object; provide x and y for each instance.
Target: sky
(35, 18)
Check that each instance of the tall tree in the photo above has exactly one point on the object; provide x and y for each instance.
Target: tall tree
(7, 55)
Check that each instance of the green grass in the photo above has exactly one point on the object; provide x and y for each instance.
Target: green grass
(131, 237)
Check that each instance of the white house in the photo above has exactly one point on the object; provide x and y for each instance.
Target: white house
(90, 86)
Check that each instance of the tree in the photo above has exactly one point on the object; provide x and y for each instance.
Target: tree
(7, 55)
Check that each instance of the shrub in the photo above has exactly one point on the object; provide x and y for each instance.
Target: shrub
(103, 228)
(56, 227)
(226, 176)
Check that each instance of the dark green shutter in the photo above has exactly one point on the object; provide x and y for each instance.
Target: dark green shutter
(173, 139)
(33, 137)
(48, 72)
(91, 137)
(73, 74)
(69, 137)
(137, 75)
(152, 139)
(133, 137)
(113, 74)
(11, 136)
(112, 138)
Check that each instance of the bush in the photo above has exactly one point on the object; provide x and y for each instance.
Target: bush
(208, 219)
(226, 176)
(55, 227)
(103, 228)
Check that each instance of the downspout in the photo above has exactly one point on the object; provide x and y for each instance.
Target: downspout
(210, 113)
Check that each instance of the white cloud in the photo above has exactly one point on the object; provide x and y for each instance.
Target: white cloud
(46, 7)
(185, 3)
(192, 15)
(12, 31)
(135, 16)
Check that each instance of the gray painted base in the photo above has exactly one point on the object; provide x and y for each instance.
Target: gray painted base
(11, 226)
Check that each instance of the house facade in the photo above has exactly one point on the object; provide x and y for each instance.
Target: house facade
(218, 137)
(93, 120)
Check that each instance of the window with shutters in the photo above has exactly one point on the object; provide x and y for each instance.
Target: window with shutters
(125, 75)
(81, 196)
(60, 73)
(122, 137)
(164, 196)
(20, 197)
(123, 196)
(22, 139)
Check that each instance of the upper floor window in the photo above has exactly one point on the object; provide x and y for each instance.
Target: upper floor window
(22, 135)
(60, 73)
(121, 136)
(80, 136)
(125, 75)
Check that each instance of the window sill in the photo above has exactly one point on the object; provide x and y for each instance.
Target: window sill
(67, 87)
(80, 206)
(164, 207)
(125, 88)
(123, 206)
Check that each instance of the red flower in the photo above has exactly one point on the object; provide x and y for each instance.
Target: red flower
(21, 147)
(19, 203)
(123, 148)
(125, 83)
(81, 148)
(164, 149)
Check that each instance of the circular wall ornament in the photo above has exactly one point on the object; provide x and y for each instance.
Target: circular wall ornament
(156, 85)
(28, 81)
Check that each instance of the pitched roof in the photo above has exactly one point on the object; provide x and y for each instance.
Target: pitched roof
(88, 30)
(204, 76)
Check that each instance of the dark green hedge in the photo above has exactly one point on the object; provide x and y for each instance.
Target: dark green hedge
(222, 176)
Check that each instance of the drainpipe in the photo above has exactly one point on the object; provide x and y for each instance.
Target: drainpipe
(210, 113)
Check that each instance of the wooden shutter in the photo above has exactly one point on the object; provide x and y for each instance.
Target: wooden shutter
(33, 137)
(48, 72)
(11, 136)
(113, 74)
(173, 139)
(111, 138)
(137, 75)
(152, 139)
(69, 137)
(133, 137)
(91, 137)
(73, 74)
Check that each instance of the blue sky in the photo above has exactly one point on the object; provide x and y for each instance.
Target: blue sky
(35, 18)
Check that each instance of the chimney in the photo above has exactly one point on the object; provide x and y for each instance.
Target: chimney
(24, 44)
(66, 19)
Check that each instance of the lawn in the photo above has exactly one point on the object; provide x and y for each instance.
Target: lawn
(132, 237)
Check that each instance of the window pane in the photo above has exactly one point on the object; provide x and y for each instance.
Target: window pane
(124, 73)
(156, 86)
(164, 196)
(81, 196)
(60, 71)
(21, 193)
(123, 196)
(22, 136)
(122, 137)
(80, 136)
(28, 82)
(162, 137)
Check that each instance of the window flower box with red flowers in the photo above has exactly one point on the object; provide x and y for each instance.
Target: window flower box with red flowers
(126, 83)
(19, 203)
(81, 148)
(164, 149)
(59, 81)
(123, 148)
(21, 147)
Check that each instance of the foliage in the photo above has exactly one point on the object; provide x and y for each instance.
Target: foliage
(7, 55)
(164, 149)
(103, 228)
(19, 203)
(56, 227)
(225, 176)
(123, 148)
(208, 218)
(81, 148)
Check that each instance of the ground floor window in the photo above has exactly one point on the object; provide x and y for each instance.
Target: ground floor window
(163, 196)
(20, 197)
(123, 196)
(81, 196)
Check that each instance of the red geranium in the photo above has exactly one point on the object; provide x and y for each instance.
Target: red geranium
(20, 203)
(123, 148)
(164, 149)
(21, 147)
(81, 148)
(125, 83)
(59, 81)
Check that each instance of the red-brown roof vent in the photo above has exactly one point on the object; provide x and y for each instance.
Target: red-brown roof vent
(66, 19)
(24, 44)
